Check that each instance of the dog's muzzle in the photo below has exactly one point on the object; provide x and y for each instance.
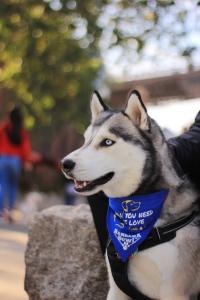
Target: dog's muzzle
(68, 165)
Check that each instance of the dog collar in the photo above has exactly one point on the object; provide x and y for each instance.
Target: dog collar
(131, 219)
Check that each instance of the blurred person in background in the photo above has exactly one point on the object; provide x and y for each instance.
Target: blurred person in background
(15, 151)
(70, 195)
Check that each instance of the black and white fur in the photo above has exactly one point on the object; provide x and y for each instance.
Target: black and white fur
(125, 152)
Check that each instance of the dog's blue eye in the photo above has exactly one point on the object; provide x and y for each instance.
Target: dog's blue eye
(107, 143)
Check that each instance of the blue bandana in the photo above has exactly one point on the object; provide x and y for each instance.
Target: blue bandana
(131, 219)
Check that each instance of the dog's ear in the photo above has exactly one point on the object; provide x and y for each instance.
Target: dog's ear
(97, 105)
(137, 111)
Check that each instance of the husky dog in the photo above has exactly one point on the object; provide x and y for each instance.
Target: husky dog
(125, 153)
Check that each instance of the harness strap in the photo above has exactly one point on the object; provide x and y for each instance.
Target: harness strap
(165, 233)
(120, 275)
(157, 236)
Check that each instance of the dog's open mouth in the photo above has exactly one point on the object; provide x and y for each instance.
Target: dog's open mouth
(83, 186)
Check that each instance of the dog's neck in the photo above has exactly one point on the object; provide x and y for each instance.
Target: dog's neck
(181, 197)
(151, 186)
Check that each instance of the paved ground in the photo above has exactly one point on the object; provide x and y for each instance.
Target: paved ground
(12, 246)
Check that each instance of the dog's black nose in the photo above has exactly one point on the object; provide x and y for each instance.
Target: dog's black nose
(68, 165)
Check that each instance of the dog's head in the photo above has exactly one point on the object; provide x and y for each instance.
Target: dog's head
(118, 147)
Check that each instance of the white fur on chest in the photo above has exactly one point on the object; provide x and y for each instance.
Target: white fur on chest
(158, 271)
(150, 269)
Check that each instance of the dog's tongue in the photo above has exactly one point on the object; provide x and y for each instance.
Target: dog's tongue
(78, 181)
(80, 184)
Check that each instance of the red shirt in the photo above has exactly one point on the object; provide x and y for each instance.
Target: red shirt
(23, 151)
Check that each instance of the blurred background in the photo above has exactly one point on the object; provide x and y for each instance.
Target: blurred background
(53, 54)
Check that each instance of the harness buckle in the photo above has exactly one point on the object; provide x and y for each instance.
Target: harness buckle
(156, 230)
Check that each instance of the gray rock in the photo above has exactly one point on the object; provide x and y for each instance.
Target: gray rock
(63, 258)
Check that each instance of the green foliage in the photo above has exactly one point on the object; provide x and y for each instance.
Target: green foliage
(50, 49)
(49, 58)
(154, 32)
